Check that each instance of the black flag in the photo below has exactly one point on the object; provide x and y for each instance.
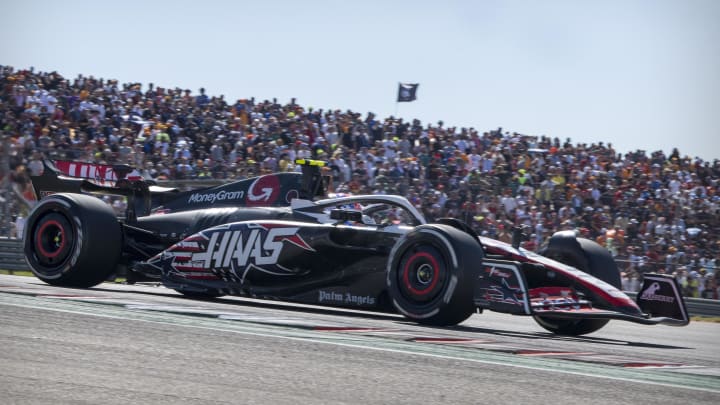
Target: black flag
(406, 92)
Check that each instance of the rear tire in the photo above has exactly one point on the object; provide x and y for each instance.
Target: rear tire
(427, 275)
(72, 240)
(593, 259)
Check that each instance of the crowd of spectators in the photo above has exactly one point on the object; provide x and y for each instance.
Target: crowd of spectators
(653, 211)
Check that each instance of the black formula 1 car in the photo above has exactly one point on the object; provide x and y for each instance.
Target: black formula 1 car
(270, 237)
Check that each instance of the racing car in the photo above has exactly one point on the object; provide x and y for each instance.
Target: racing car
(279, 236)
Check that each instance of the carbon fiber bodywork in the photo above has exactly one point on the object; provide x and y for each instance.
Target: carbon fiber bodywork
(265, 237)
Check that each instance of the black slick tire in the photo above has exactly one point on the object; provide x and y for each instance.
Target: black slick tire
(587, 256)
(72, 240)
(427, 276)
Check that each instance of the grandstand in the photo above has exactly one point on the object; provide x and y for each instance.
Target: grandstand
(654, 211)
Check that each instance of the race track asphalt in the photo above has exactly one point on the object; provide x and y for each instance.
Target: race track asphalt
(137, 344)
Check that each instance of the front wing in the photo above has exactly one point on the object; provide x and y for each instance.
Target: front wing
(501, 286)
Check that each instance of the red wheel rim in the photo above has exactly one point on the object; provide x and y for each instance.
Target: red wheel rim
(429, 281)
(50, 239)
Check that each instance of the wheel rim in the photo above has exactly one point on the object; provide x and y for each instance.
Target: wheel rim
(53, 239)
(422, 273)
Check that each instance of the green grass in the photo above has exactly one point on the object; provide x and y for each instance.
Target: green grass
(29, 274)
(697, 318)
(17, 272)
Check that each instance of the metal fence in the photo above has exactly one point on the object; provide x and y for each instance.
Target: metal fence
(12, 259)
(11, 255)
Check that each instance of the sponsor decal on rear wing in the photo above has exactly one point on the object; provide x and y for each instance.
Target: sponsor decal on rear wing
(102, 175)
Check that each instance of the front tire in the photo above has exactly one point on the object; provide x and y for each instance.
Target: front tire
(591, 258)
(427, 275)
(72, 240)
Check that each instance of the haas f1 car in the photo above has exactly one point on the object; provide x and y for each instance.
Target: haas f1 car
(279, 237)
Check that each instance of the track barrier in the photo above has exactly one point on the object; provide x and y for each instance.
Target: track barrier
(11, 255)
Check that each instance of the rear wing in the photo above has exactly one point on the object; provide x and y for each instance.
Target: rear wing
(100, 174)
(90, 178)
(62, 176)
(144, 196)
